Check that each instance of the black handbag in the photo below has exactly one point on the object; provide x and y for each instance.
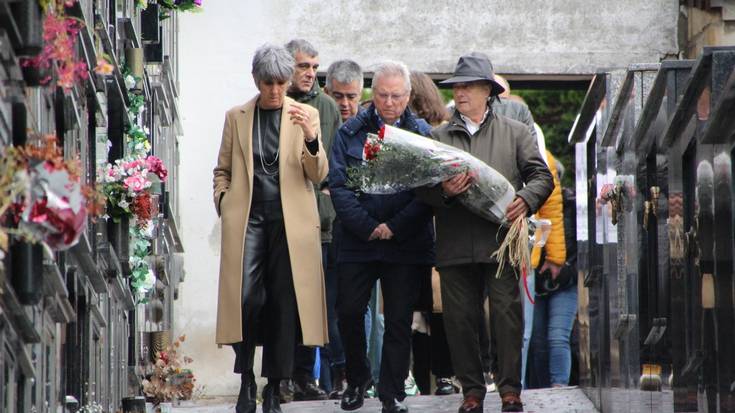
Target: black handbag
(567, 278)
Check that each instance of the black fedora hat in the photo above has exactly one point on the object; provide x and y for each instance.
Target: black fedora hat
(473, 67)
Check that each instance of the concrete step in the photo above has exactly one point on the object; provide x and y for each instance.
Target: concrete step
(561, 400)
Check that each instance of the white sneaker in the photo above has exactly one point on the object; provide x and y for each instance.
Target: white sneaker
(410, 386)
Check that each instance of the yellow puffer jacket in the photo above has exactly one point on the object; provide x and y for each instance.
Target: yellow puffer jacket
(553, 210)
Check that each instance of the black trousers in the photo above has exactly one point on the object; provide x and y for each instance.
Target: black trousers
(431, 354)
(398, 284)
(269, 312)
(463, 293)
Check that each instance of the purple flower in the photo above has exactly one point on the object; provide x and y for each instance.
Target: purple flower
(198, 2)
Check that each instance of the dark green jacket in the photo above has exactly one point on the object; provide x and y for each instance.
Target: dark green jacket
(329, 122)
(507, 146)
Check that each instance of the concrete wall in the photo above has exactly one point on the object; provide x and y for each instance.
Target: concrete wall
(216, 47)
(714, 26)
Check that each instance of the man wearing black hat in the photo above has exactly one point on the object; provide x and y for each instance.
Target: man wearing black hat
(465, 242)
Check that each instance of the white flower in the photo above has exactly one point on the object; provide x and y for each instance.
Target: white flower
(148, 229)
(123, 204)
(129, 81)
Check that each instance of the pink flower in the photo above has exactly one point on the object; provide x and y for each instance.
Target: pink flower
(136, 183)
(155, 165)
(131, 165)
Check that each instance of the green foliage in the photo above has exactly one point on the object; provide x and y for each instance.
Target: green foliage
(367, 94)
(554, 111)
(141, 248)
(447, 95)
(118, 200)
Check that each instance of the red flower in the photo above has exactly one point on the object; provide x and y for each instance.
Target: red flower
(381, 133)
(142, 206)
(371, 150)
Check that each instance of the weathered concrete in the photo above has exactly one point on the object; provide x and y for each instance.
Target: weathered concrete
(521, 36)
(216, 47)
(566, 400)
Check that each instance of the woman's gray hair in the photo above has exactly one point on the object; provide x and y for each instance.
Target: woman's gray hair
(392, 68)
(344, 71)
(301, 45)
(272, 63)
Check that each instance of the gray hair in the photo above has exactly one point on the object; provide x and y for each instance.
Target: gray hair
(392, 68)
(301, 45)
(272, 63)
(344, 71)
(559, 169)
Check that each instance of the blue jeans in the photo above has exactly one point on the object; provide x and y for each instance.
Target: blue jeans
(528, 324)
(552, 329)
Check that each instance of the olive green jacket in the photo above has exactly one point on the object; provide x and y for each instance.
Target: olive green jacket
(329, 122)
(507, 146)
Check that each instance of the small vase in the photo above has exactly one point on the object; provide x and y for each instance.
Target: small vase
(35, 76)
(134, 404)
(166, 407)
(119, 235)
(26, 262)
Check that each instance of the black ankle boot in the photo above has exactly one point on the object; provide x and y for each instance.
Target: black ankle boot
(339, 382)
(271, 397)
(246, 398)
(354, 396)
(306, 389)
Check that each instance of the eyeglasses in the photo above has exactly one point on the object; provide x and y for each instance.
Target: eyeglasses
(348, 96)
(307, 66)
(392, 96)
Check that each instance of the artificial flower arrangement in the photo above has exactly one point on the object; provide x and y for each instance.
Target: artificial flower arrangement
(169, 6)
(60, 35)
(13, 182)
(46, 200)
(170, 379)
(129, 184)
(131, 187)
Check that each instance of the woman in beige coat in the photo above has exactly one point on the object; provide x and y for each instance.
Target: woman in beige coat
(271, 288)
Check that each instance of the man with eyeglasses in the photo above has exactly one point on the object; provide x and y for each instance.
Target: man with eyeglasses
(304, 88)
(385, 237)
(344, 85)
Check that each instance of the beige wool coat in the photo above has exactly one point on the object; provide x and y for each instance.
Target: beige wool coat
(299, 170)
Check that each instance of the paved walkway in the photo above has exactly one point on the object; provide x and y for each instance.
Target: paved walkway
(564, 400)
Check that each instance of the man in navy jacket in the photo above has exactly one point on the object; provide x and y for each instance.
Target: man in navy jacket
(386, 237)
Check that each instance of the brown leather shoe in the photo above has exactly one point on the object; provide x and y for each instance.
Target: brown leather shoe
(511, 402)
(471, 404)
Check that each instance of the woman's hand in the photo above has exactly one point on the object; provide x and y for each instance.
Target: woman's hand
(553, 269)
(301, 118)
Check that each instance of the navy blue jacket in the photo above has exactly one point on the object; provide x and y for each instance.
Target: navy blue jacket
(359, 213)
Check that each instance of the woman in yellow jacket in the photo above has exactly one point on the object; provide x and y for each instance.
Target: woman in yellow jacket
(554, 252)
(556, 300)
